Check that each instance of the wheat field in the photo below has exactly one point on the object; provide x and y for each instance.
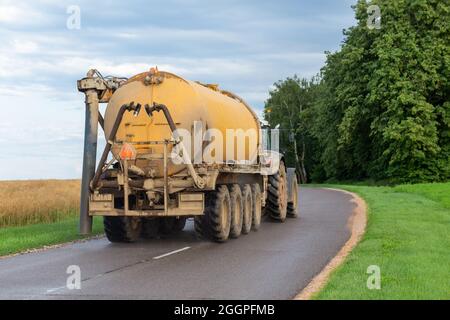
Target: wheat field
(35, 201)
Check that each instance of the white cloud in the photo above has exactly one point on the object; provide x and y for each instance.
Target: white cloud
(126, 35)
(166, 34)
(24, 90)
(13, 13)
(24, 46)
(9, 13)
(12, 65)
(242, 47)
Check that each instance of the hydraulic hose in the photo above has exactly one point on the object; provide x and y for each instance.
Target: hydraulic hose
(126, 107)
(199, 181)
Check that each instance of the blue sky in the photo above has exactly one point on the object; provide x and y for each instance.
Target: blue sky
(244, 46)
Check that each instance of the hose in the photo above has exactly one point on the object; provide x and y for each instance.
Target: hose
(199, 181)
(126, 107)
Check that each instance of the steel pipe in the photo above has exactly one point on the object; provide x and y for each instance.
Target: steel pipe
(112, 135)
(199, 181)
(89, 155)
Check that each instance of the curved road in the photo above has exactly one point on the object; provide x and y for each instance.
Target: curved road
(274, 263)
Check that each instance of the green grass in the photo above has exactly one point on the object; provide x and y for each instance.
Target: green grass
(407, 236)
(18, 239)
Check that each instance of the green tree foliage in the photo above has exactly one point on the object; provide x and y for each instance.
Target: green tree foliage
(290, 105)
(383, 111)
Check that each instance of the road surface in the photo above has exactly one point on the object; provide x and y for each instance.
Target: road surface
(275, 262)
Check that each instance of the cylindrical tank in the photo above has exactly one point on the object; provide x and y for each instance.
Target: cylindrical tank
(187, 102)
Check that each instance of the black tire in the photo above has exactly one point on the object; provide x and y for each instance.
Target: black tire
(215, 223)
(170, 225)
(198, 226)
(247, 208)
(179, 224)
(122, 229)
(256, 210)
(166, 225)
(276, 204)
(150, 227)
(292, 205)
(236, 210)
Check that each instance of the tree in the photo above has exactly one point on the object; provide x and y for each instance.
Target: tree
(387, 104)
(288, 106)
(381, 107)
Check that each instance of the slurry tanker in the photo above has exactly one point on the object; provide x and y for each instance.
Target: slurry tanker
(177, 149)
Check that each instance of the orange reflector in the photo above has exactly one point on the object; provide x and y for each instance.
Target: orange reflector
(127, 152)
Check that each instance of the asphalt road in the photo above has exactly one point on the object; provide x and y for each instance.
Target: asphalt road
(275, 262)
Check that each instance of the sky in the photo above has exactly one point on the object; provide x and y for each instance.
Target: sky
(244, 46)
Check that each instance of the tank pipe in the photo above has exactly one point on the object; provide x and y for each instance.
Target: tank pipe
(137, 183)
(126, 107)
(140, 183)
(90, 150)
(158, 107)
(199, 181)
(101, 121)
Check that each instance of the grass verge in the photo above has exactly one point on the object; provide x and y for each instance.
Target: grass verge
(18, 239)
(407, 236)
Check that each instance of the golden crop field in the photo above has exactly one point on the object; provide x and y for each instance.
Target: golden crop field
(34, 201)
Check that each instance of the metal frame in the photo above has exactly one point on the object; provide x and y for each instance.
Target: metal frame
(96, 90)
(99, 90)
(165, 210)
(91, 88)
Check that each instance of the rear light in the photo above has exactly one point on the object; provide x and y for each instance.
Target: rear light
(127, 152)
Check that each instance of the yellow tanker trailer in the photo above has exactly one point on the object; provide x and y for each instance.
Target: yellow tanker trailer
(177, 149)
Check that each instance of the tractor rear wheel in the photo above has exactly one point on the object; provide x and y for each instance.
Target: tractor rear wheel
(277, 195)
(292, 205)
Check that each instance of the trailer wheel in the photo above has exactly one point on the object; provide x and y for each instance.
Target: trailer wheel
(122, 229)
(166, 225)
(256, 211)
(215, 224)
(170, 225)
(236, 210)
(150, 227)
(248, 208)
(198, 226)
(179, 224)
(292, 205)
(277, 195)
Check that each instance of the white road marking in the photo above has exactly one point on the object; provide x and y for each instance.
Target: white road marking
(170, 253)
(54, 289)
